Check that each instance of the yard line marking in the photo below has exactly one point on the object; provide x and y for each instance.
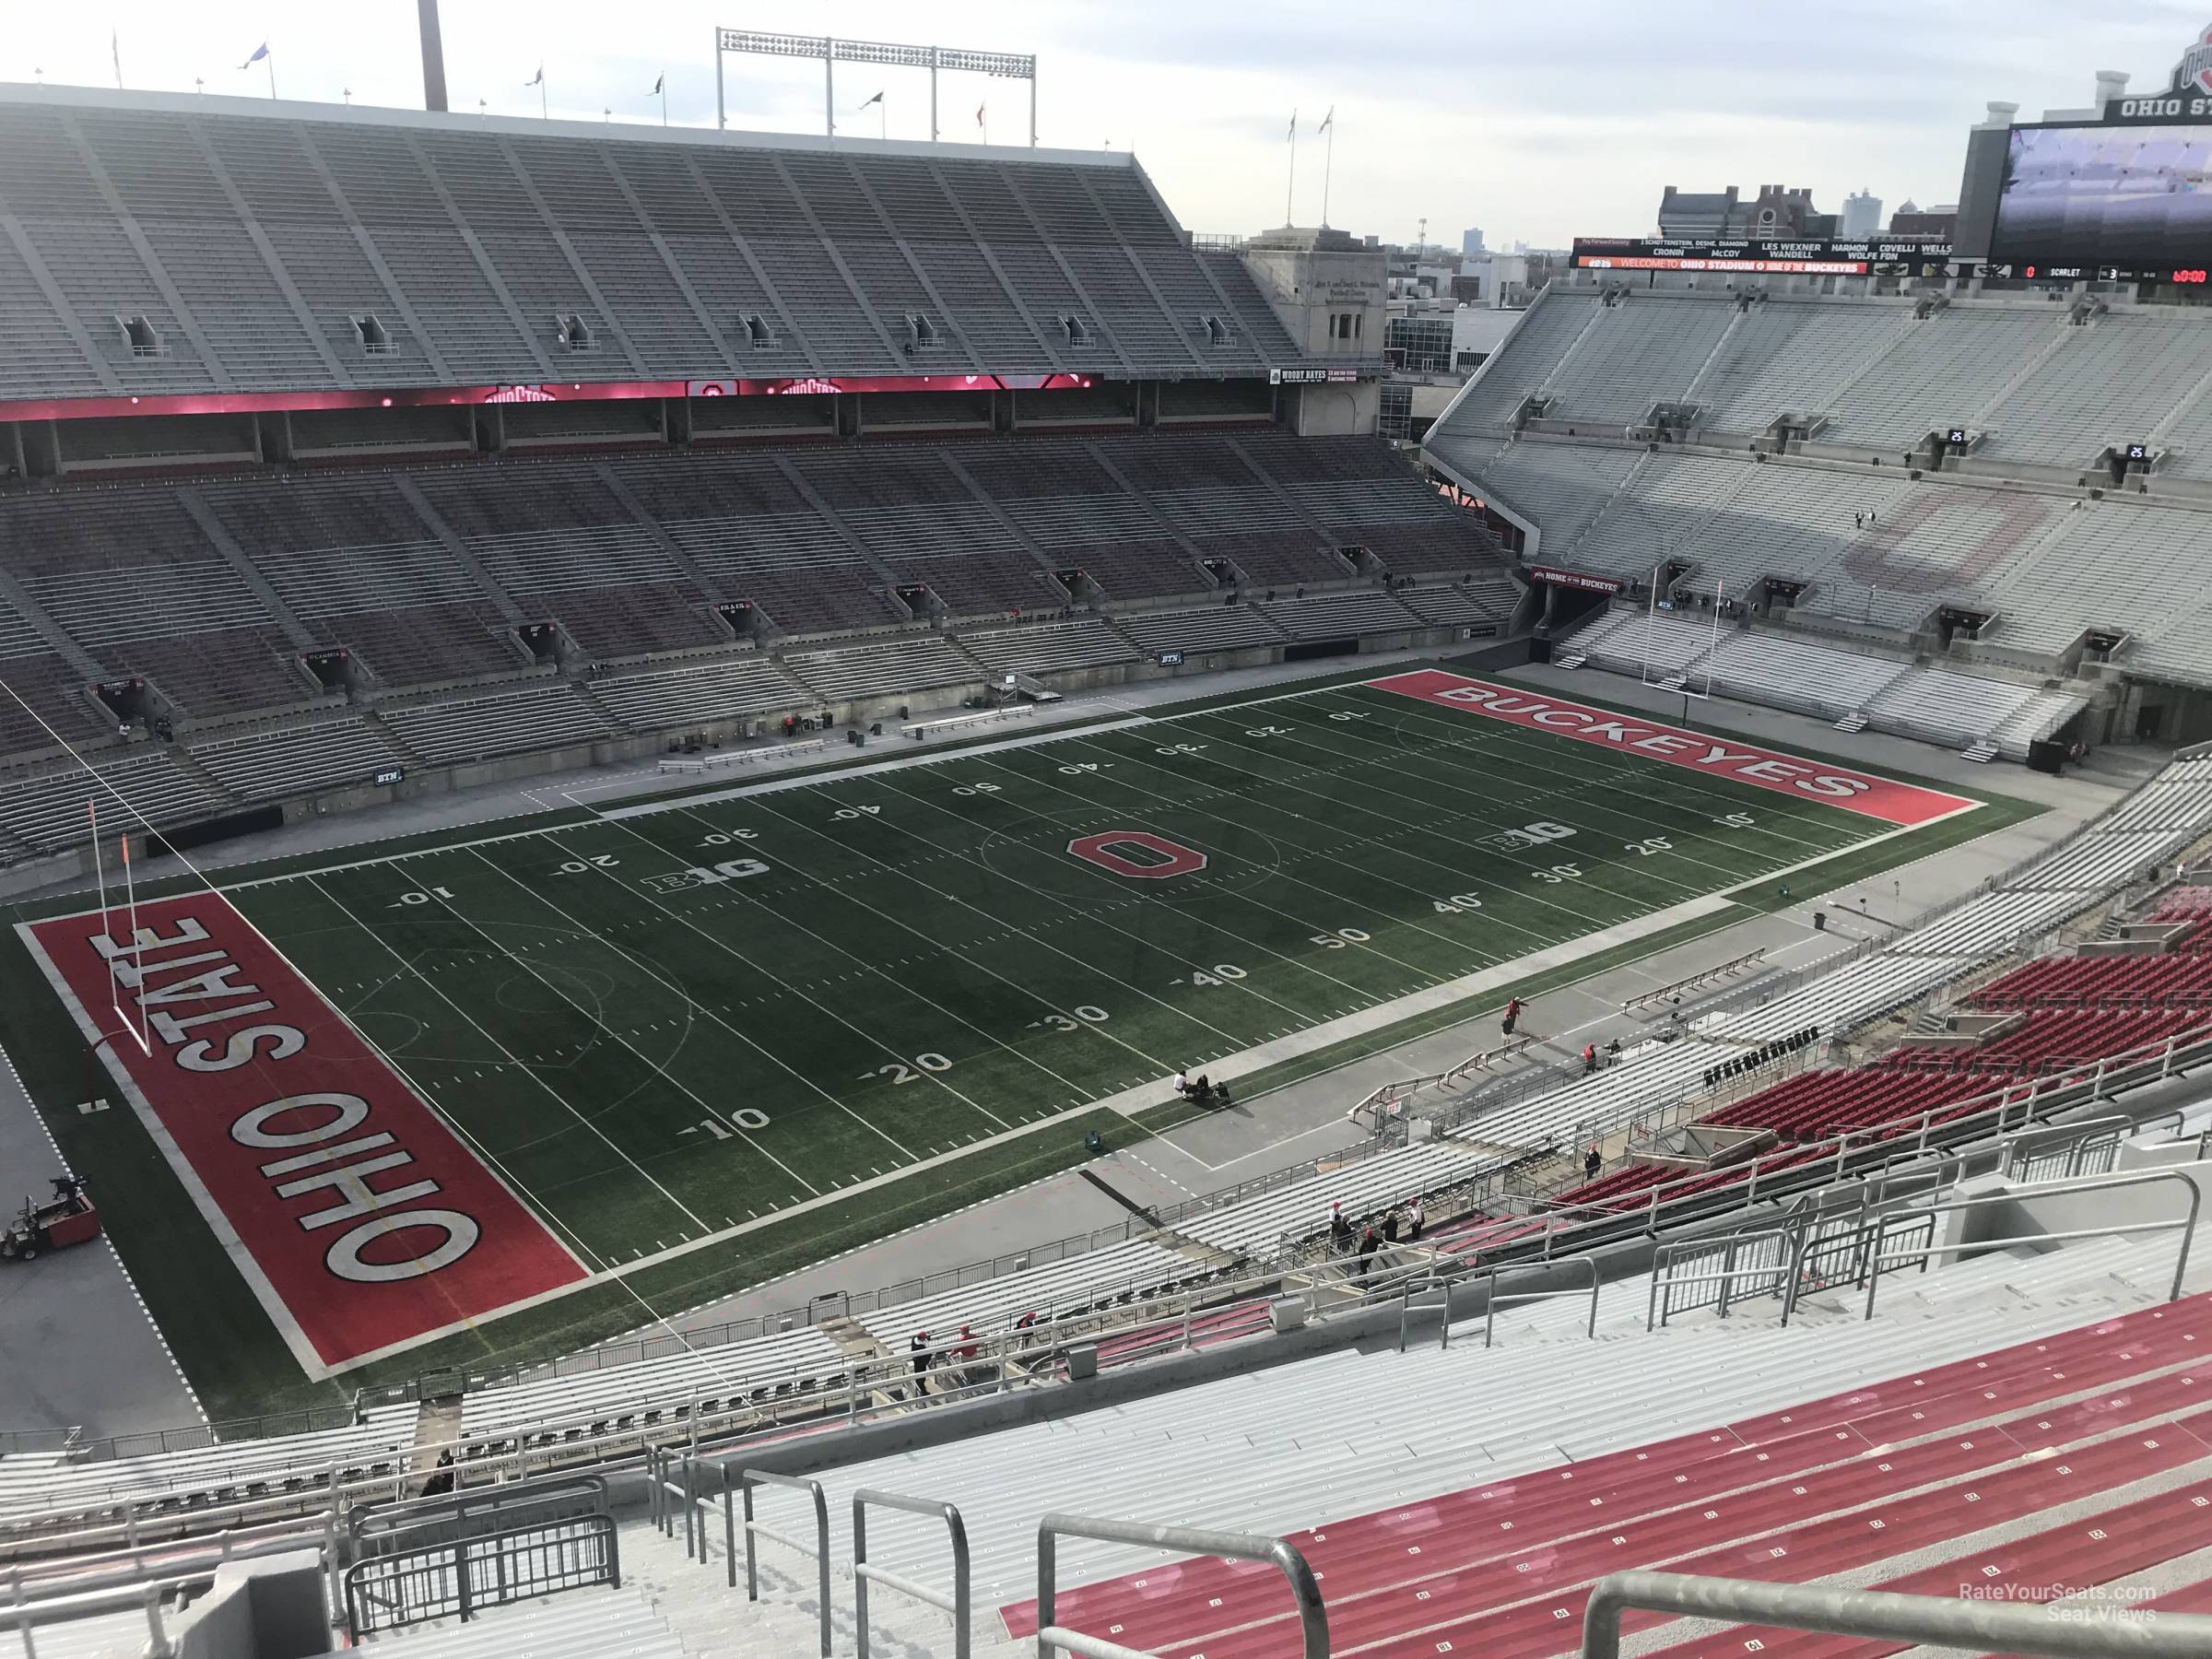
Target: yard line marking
(658, 978)
(1024, 931)
(704, 1007)
(1458, 946)
(1152, 904)
(1607, 860)
(1510, 735)
(1241, 897)
(431, 986)
(877, 972)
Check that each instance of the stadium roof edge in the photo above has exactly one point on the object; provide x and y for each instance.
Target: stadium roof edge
(268, 109)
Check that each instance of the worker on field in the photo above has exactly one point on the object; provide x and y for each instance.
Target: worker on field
(1512, 1015)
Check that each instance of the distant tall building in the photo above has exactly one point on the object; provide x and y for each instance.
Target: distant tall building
(1862, 217)
(1774, 212)
(1470, 242)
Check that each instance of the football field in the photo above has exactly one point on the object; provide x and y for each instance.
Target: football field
(644, 1034)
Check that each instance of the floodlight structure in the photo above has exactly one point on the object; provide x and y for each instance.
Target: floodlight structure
(1009, 66)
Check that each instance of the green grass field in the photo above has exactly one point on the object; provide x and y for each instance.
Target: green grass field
(668, 1025)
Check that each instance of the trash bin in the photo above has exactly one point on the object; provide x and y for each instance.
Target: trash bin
(1819, 920)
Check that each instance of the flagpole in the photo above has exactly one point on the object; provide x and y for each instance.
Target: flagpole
(1291, 184)
(271, 60)
(1328, 163)
(542, 115)
(663, 100)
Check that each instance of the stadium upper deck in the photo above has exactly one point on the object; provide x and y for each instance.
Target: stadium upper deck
(159, 245)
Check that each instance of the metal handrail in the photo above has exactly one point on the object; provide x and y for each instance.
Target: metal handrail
(864, 1571)
(749, 1478)
(1930, 1621)
(2013, 1195)
(1313, 1619)
(1490, 1273)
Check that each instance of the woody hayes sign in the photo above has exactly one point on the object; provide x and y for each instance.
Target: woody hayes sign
(1819, 781)
(361, 1220)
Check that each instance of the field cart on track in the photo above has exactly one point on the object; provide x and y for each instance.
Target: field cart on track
(68, 1217)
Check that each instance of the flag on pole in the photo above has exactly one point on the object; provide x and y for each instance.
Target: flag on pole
(1293, 124)
(538, 79)
(866, 102)
(1329, 120)
(979, 114)
(115, 52)
(657, 83)
(260, 52)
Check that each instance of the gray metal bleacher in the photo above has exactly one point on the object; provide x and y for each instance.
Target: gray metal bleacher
(291, 762)
(2109, 381)
(900, 662)
(1523, 363)
(1646, 349)
(1943, 368)
(1787, 357)
(722, 689)
(136, 583)
(1208, 627)
(48, 810)
(479, 728)
(1048, 647)
(359, 568)
(1340, 615)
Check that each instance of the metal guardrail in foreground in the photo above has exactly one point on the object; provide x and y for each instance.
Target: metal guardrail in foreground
(1930, 1621)
(1313, 1620)
(819, 1549)
(866, 1572)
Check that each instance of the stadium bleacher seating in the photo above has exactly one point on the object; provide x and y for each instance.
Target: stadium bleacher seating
(2011, 531)
(468, 245)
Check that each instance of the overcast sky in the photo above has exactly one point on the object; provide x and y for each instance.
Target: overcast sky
(1539, 121)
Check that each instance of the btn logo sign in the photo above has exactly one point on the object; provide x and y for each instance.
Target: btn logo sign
(1147, 857)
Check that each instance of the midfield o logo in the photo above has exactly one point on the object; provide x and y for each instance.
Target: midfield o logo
(1157, 856)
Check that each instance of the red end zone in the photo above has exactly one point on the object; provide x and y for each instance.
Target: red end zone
(361, 1220)
(1832, 785)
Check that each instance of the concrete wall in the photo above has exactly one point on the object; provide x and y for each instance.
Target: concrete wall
(270, 1609)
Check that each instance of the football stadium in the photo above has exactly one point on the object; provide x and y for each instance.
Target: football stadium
(779, 895)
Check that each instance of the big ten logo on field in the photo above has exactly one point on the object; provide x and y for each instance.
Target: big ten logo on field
(699, 875)
(1137, 854)
(1528, 835)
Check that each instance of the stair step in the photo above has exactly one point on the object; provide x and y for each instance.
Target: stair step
(1982, 752)
(1573, 659)
(1853, 721)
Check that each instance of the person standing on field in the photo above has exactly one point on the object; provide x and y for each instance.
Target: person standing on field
(1512, 1015)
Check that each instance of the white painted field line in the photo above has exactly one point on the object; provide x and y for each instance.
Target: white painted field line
(1460, 878)
(1535, 799)
(1500, 735)
(691, 1001)
(684, 920)
(1105, 810)
(513, 1058)
(1159, 1065)
(876, 971)
(1131, 892)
